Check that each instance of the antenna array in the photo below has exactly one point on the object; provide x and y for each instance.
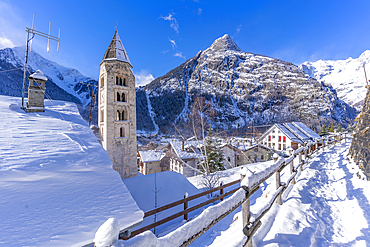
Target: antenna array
(33, 32)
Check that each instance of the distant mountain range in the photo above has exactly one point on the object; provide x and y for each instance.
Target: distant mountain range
(243, 88)
(63, 83)
(346, 76)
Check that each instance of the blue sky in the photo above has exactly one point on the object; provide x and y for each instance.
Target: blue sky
(160, 35)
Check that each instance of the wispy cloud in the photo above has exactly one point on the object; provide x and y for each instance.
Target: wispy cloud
(173, 22)
(199, 11)
(164, 51)
(238, 29)
(11, 26)
(179, 54)
(173, 43)
(143, 78)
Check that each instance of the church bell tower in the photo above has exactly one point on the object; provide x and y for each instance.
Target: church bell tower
(117, 108)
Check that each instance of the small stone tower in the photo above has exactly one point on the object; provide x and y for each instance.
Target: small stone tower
(117, 109)
(36, 92)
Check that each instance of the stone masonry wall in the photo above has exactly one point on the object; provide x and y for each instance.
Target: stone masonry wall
(360, 148)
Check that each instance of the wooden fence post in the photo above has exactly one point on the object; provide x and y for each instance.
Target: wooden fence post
(221, 191)
(290, 150)
(246, 213)
(279, 200)
(186, 206)
(300, 159)
(345, 137)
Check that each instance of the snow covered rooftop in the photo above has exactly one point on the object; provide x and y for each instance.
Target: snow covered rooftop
(150, 156)
(190, 149)
(309, 132)
(38, 75)
(57, 185)
(116, 50)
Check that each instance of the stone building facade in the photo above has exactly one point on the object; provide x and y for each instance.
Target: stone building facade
(117, 108)
(360, 147)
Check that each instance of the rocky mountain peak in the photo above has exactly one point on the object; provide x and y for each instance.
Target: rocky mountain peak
(223, 44)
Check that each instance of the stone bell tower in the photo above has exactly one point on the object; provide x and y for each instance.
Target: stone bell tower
(117, 108)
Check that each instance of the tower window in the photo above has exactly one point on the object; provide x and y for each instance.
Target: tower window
(118, 115)
(102, 82)
(102, 116)
(124, 115)
(118, 97)
(124, 97)
(120, 81)
(122, 132)
(124, 82)
(117, 81)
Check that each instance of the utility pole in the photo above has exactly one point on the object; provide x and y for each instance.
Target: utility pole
(92, 98)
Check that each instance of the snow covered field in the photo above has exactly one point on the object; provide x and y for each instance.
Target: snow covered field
(328, 206)
(57, 185)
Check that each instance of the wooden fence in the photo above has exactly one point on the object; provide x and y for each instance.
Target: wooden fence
(249, 228)
(186, 208)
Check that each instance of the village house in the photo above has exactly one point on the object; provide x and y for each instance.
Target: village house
(150, 161)
(282, 136)
(184, 157)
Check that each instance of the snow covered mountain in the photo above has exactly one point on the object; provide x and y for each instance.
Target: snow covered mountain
(346, 76)
(63, 83)
(243, 88)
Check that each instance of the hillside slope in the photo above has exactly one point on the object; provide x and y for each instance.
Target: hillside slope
(243, 88)
(63, 83)
(346, 76)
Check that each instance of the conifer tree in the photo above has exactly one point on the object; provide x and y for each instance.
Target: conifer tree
(214, 153)
(339, 128)
(323, 130)
(331, 127)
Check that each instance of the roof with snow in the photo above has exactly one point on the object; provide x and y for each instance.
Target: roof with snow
(116, 50)
(38, 75)
(297, 132)
(151, 156)
(190, 149)
(57, 185)
(309, 132)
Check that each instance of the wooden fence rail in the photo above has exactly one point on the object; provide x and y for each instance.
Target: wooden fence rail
(249, 228)
(186, 208)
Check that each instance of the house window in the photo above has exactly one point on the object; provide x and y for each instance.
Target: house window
(279, 146)
(273, 137)
(261, 157)
(279, 132)
(279, 138)
(269, 144)
(284, 138)
(269, 138)
(273, 131)
(273, 144)
(284, 146)
(228, 159)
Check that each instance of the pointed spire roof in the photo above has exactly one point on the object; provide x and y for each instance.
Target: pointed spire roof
(116, 50)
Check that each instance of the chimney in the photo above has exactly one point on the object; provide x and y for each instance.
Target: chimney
(182, 145)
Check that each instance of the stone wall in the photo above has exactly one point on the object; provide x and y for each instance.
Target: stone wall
(360, 148)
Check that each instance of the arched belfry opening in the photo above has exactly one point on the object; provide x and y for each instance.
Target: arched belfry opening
(119, 120)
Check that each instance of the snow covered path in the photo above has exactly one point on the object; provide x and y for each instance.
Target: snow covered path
(328, 206)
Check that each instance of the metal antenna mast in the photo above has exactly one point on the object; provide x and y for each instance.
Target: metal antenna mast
(34, 32)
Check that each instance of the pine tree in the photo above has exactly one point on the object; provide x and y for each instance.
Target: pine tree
(323, 130)
(214, 153)
(339, 128)
(331, 127)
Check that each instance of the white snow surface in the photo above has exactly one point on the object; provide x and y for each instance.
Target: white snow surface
(328, 206)
(346, 76)
(107, 233)
(57, 185)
